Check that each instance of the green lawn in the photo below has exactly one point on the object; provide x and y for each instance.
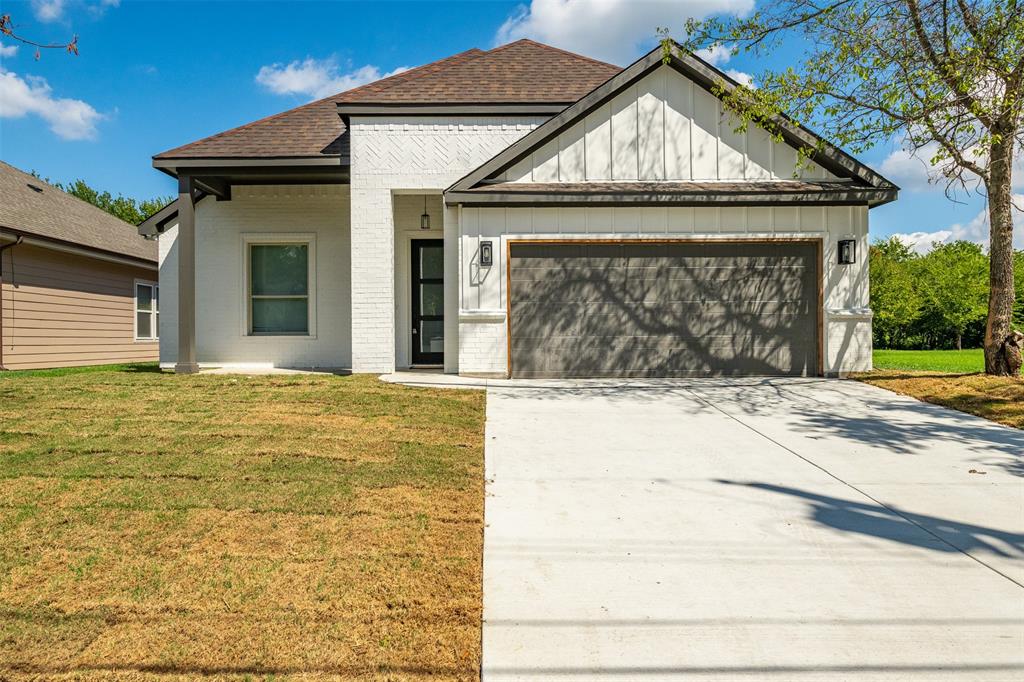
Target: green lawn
(164, 527)
(950, 378)
(953, 361)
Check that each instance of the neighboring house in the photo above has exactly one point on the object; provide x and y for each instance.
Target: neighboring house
(77, 285)
(521, 211)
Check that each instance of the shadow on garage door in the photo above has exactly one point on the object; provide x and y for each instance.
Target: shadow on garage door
(664, 309)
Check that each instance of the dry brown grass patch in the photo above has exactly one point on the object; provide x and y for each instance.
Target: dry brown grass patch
(162, 527)
(1000, 399)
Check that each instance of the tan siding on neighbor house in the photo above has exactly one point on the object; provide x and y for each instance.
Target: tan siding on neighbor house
(63, 310)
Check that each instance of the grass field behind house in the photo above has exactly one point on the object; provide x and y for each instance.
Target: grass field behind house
(155, 526)
(952, 379)
(969, 360)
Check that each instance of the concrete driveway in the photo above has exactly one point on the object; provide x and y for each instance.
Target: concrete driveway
(749, 528)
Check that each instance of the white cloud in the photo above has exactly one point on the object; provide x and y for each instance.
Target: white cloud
(975, 230)
(8, 50)
(48, 10)
(71, 119)
(914, 172)
(54, 10)
(613, 30)
(716, 55)
(740, 77)
(317, 78)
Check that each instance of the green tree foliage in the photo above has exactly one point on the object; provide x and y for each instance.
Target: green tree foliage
(954, 285)
(895, 298)
(937, 300)
(946, 77)
(127, 209)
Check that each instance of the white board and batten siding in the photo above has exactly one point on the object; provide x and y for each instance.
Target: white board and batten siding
(664, 127)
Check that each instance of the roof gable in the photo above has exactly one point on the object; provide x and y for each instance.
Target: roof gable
(658, 121)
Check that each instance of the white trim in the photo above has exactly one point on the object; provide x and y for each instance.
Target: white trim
(850, 313)
(154, 313)
(250, 238)
(481, 316)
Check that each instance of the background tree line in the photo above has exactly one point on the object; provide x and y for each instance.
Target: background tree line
(126, 208)
(935, 300)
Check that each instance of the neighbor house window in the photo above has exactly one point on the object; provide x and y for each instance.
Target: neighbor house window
(279, 286)
(147, 311)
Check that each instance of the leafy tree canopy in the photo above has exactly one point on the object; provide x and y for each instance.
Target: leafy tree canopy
(126, 208)
(946, 77)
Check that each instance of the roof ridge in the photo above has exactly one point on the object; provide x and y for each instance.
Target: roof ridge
(555, 49)
(404, 76)
(320, 101)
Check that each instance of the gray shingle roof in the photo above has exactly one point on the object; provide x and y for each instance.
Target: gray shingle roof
(520, 72)
(30, 206)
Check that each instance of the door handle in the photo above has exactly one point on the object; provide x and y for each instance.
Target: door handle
(414, 331)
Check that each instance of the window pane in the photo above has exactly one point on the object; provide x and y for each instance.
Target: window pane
(143, 297)
(431, 299)
(280, 316)
(143, 323)
(279, 269)
(156, 298)
(432, 262)
(157, 330)
(431, 336)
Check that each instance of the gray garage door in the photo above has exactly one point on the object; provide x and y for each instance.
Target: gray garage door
(664, 309)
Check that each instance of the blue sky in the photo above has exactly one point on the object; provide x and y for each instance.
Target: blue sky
(156, 74)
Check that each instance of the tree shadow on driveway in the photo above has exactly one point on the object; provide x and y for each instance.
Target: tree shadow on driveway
(896, 525)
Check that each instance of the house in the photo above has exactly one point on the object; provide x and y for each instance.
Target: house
(77, 285)
(519, 211)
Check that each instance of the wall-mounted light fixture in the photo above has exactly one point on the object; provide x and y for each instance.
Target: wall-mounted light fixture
(486, 254)
(425, 218)
(847, 251)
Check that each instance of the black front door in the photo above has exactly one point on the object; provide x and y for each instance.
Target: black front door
(428, 301)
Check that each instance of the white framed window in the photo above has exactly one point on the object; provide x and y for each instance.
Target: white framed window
(279, 285)
(147, 311)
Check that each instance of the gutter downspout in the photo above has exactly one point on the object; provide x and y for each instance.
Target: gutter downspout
(3, 248)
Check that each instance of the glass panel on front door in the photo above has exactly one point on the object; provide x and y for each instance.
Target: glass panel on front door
(427, 302)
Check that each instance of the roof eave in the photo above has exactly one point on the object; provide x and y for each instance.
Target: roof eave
(870, 196)
(175, 162)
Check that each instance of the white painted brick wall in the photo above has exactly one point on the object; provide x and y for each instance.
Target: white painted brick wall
(322, 210)
(405, 153)
(483, 348)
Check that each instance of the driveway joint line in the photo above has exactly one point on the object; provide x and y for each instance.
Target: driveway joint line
(851, 486)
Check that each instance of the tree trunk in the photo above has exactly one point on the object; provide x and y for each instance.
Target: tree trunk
(959, 342)
(1001, 292)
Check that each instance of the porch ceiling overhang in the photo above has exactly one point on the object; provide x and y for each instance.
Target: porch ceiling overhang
(676, 193)
(245, 171)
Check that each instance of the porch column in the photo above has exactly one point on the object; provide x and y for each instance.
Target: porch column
(452, 287)
(186, 240)
(373, 276)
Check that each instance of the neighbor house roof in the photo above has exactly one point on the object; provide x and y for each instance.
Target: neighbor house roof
(33, 208)
(523, 72)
